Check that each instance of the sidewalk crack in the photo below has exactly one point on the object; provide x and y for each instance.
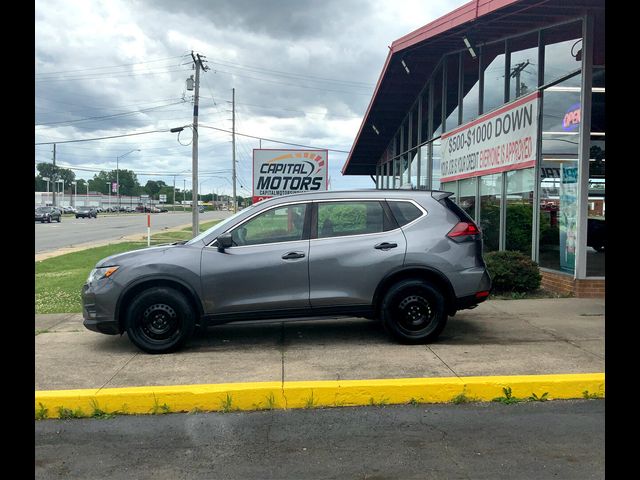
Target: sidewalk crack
(445, 363)
(117, 372)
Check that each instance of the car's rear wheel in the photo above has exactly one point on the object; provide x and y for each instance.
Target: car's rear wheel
(48, 219)
(413, 311)
(160, 320)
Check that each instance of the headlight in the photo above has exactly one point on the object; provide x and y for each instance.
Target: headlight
(99, 273)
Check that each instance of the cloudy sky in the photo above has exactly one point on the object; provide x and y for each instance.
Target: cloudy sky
(303, 72)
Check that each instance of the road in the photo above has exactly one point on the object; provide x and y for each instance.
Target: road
(72, 231)
(557, 439)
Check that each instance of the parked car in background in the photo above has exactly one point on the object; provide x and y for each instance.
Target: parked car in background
(201, 209)
(86, 212)
(48, 214)
(408, 259)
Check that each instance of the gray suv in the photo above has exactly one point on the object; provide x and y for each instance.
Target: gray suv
(407, 258)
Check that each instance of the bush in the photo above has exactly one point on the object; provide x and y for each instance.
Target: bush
(512, 272)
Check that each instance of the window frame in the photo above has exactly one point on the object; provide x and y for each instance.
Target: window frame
(305, 225)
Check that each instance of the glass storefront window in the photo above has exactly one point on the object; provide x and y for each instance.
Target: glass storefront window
(523, 67)
(519, 215)
(436, 107)
(468, 196)
(404, 169)
(559, 177)
(596, 226)
(471, 87)
(493, 62)
(436, 156)
(451, 187)
(413, 168)
(562, 44)
(490, 194)
(424, 134)
(453, 76)
(413, 118)
(424, 166)
(396, 173)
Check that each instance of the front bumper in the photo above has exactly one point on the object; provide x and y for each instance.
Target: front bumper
(98, 307)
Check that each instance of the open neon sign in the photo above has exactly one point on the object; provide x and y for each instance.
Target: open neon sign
(571, 120)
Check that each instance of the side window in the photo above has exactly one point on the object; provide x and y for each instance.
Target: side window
(405, 212)
(337, 219)
(283, 224)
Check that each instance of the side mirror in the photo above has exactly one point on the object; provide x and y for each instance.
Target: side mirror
(224, 241)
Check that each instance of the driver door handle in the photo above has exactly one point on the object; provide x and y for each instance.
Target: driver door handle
(292, 255)
(385, 246)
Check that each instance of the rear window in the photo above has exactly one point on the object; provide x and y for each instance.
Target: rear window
(405, 212)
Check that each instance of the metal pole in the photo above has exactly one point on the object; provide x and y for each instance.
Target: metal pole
(233, 143)
(174, 193)
(184, 193)
(54, 177)
(118, 182)
(194, 154)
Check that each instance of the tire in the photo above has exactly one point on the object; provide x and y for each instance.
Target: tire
(59, 219)
(48, 219)
(413, 312)
(174, 320)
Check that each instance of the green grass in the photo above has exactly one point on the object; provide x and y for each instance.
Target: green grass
(60, 279)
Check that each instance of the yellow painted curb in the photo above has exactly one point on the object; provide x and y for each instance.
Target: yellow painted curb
(309, 394)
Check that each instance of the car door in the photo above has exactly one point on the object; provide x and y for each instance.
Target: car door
(354, 244)
(266, 269)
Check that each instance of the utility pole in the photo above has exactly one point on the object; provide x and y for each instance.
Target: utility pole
(174, 193)
(197, 60)
(184, 194)
(233, 143)
(54, 177)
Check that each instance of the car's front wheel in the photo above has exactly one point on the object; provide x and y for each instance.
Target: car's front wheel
(413, 311)
(160, 320)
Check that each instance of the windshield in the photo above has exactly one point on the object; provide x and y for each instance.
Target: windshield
(43, 209)
(84, 209)
(224, 222)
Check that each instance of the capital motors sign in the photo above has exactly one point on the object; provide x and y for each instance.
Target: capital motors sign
(282, 172)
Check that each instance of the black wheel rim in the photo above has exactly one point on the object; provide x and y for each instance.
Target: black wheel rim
(159, 323)
(414, 314)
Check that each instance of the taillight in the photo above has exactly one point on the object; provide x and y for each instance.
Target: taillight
(463, 229)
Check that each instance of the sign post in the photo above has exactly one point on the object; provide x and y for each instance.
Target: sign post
(148, 229)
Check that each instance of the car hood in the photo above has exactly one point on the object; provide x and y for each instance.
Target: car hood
(143, 255)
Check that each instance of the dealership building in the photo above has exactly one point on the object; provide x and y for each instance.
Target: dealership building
(502, 103)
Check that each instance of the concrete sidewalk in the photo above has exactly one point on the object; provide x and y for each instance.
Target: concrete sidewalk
(500, 337)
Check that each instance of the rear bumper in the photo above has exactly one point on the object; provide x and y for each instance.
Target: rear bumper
(471, 301)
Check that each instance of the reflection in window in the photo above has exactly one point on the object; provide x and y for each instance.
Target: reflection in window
(424, 98)
(437, 103)
(493, 59)
(467, 199)
(284, 224)
(490, 193)
(519, 210)
(523, 73)
(561, 52)
(337, 219)
(596, 226)
(453, 76)
(471, 88)
(413, 170)
(451, 187)
(436, 156)
(424, 166)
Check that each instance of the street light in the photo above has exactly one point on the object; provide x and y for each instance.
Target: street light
(46, 179)
(75, 192)
(58, 181)
(118, 175)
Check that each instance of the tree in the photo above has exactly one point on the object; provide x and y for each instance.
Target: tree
(47, 170)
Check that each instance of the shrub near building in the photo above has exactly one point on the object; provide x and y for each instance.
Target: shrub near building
(512, 272)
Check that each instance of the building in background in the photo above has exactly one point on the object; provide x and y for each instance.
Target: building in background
(502, 103)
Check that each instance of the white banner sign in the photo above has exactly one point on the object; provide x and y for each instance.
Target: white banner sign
(502, 140)
(281, 172)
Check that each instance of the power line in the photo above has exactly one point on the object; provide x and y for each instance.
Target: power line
(103, 138)
(111, 66)
(274, 141)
